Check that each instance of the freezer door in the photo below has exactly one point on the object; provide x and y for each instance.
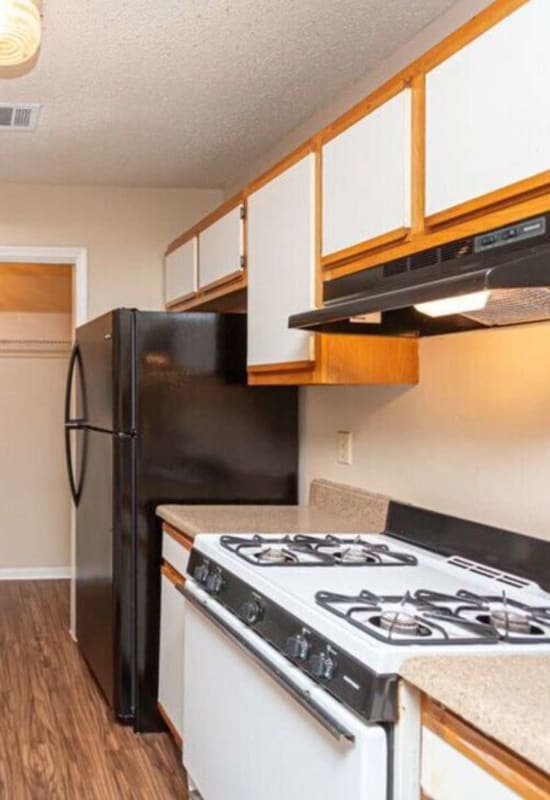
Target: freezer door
(104, 554)
(105, 393)
(95, 390)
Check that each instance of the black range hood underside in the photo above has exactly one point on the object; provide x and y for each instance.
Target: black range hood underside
(517, 273)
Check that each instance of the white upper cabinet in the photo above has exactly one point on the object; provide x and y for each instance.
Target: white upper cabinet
(180, 272)
(488, 112)
(221, 248)
(367, 177)
(281, 264)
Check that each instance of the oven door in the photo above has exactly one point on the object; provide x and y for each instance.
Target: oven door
(256, 728)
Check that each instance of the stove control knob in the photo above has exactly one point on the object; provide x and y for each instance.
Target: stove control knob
(214, 581)
(201, 572)
(322, 665)
(251, 611)
(297, 647)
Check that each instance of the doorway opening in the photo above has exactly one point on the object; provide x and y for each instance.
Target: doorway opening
(43, 297)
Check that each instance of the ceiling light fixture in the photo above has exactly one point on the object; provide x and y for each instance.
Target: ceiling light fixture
(20, 31)
(459, 304)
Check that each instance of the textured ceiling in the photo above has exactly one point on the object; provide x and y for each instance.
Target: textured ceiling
(186, 92)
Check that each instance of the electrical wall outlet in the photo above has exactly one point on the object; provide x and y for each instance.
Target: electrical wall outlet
(343, 447)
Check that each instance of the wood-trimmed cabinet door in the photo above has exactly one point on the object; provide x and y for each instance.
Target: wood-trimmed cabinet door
(458, 762)
(281, 265)
(180, 272)
(488, 117)
(221, 250)
(366, 181)
(171, 653)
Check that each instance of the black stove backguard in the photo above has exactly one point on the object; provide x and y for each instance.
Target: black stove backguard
(498, 548)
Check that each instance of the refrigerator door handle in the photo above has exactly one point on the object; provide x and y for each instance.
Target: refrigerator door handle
(74, 361)
(72, 424)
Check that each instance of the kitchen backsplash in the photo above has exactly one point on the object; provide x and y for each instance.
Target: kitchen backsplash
(472, 439)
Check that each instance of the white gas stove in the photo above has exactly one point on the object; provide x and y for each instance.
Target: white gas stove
(330, 619)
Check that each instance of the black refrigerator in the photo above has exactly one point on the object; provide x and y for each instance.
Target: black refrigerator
(157, 410)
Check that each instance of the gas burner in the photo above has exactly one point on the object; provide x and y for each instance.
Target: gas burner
(361, 552)
(400, 622)
(275, 551)
(509, 621)
(513, 621)
(427, 617)
(276, 554)
(353, 553)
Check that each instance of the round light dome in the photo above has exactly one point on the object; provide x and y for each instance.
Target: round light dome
(20, 28)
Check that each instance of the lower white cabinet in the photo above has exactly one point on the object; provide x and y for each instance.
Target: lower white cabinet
(172, 623)
(447, 774)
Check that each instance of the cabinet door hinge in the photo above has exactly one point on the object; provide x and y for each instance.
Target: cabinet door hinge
(243, 262)
(243, 211)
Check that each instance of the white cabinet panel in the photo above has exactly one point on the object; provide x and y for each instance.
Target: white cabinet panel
(172, 625)
(175, 553)
(487, 114)
(221, 248)
(281, 264)
(449, 775)
(180, 272)
(367, 177)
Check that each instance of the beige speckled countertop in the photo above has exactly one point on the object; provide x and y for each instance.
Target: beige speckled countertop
(507, 698)
(332, 508)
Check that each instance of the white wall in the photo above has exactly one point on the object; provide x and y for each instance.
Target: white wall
(35, 507)
(473, 439)
(125, 231)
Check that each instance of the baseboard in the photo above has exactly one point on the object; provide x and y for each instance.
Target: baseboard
(35, 573)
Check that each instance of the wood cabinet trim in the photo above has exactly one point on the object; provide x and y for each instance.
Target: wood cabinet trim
(170, 572)
(348, 360)
(281, 166)
(230, 278)
(509, 212)
(498, 761)
(199, 300)
(351, 253)
(421, 234)
(418, 154)
(219, 212)
(286, 366)
(512, 192)
(179, 536)
(387, 91)
(176, 301)
(170, 725)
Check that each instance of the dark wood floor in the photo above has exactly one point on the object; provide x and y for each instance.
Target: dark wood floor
(57, 738)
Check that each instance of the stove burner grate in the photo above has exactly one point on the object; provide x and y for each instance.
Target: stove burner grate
(427, 617)
(305, 550)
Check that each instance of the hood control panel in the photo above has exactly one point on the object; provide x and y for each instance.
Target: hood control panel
(528, 229)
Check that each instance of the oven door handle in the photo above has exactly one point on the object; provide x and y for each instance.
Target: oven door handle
(338, 731)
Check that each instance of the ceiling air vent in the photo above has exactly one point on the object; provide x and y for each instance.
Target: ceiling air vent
(19, 116)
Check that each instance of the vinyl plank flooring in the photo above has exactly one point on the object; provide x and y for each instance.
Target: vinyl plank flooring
(58, 740)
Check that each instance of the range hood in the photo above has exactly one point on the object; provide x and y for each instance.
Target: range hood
(494, 279)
